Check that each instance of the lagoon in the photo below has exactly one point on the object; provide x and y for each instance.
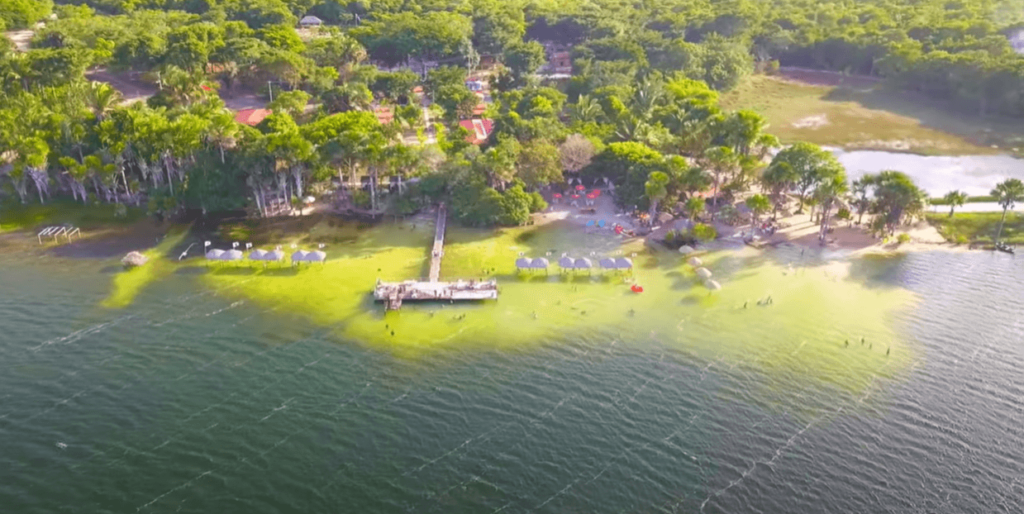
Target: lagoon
(237, 390)
(937, 175)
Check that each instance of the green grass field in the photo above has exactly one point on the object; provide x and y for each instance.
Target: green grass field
(15, 216)
(978, 227)
(871, 117)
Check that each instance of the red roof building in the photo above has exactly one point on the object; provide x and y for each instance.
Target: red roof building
(479, 130)
(252, 117)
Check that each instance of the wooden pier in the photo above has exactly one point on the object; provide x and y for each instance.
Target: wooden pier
(392, 294)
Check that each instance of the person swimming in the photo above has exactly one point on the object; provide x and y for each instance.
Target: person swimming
(847, 343)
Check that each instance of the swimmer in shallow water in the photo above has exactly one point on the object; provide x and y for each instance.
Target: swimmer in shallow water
(745, 304)
(887, 351)
(847, 343)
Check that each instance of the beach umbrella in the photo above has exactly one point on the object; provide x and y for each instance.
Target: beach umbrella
(566, 263)
(607, 263)
(695, 262)
(299, 256)
(623, 263)
(540, 263)
(557, 195)
(258, 255)
(232, 255)
(712, 285)
(215, 255)
(522, 263)
(596, 192)
(686, 249)
(276, 255)
(316, 256)
(583, 263)
(704, 273)
(580, 187)
(575, 196)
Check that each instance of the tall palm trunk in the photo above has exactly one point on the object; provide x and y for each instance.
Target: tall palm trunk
(999, 233)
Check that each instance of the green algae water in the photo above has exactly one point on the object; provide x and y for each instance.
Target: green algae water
(230, 389)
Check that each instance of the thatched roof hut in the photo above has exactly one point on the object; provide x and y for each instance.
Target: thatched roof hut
(258, 255)
(316, 256)
(232, 255)
(624, 263)
(566, 263)
(583, 263)
(215, 254)
(299, 256)
(523, 263)
(276, 255)
(607, 263)
(134, 260)
(540, 263)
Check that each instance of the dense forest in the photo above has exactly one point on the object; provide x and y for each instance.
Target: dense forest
(640, 109)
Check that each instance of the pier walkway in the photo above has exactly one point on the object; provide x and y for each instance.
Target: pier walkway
(438, 250)
(394, 293)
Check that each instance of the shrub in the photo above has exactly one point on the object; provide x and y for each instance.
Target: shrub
(670, 237)
(704, 232)
(361, 199)
(903, 238)
(537, 203)
(961, 239)
(843, 214)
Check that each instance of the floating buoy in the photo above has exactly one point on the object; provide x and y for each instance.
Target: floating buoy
(636, 289)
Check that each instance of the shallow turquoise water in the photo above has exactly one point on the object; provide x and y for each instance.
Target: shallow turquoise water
(194, 401)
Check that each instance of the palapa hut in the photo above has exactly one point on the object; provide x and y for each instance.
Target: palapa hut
(257, 255)
(540, 263)
(274, 256)
(566, 263)
(316, 256)
(298, 256)
(695, 262)
(523, 263)
(703, 273)
(624, 263)
(607, 264)
(232, 255)
(583, 263)
(214, 255)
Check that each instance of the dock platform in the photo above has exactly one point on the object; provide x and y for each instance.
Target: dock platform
(392, 294)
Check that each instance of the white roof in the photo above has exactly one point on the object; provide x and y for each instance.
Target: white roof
(310, 20)
(540, 263)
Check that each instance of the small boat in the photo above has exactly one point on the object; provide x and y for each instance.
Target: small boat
(1005, 248)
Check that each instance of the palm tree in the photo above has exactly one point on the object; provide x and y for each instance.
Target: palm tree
(586, 109)
(827, 193)
(955, 199)
(1007, 193)
(102, 99)
(758, 205)
(721, 160)
(694, 206)
(778, 178)
(860, 191)
(222, 133)
(655, 190)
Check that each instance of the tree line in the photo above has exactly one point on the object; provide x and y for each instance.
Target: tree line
(641, 110)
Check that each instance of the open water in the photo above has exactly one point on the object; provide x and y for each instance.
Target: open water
(193, 401)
